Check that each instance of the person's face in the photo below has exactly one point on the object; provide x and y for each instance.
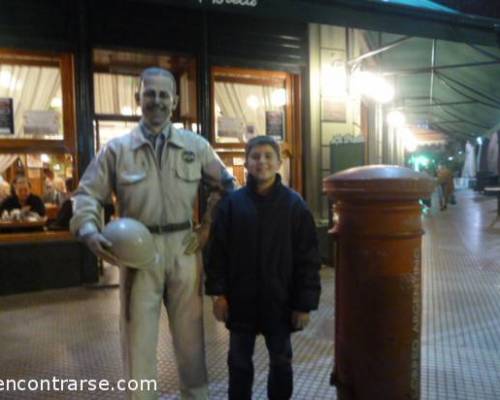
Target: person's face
(22, 191)
(157, 100)
(262, 163)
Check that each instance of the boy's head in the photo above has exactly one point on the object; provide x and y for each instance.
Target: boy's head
(262, 157)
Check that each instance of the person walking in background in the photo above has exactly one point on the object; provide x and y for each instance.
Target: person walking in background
(447, 187)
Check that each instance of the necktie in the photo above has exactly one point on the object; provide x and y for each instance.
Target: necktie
(158, 144)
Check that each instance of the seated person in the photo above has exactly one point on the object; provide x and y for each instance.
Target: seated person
(23, 199)
(66, 211)
(5, 190)
(54, 191)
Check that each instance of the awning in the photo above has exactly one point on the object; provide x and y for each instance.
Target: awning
(448, 87)
(424, 4)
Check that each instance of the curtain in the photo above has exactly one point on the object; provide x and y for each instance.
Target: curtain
(31, 88)
(6, 161)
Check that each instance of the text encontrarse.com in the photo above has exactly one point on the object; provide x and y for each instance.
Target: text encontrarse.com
(56, 384)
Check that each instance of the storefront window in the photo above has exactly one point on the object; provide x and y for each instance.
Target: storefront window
(37, 139)
(31, 97)
(248, 104)
(116, 79)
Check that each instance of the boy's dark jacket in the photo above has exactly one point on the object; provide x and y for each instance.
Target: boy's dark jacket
(264, 257)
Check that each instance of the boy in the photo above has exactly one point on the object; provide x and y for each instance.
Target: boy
(263, 270)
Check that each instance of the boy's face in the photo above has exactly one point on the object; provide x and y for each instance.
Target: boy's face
(262, 163)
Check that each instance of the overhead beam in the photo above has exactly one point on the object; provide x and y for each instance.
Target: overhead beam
(383, 49)
(450, 121)
(453, 132)
(471, 89)
(494, 106)
(428, 70)
(439, 104)
(483, 52)
(433, 65)
(465, 121)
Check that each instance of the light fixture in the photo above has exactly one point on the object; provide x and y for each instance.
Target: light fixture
(126, 110)
(253, 102)
(45, 158)
(373, 86)
(56, 102)
(479, 140)
(278, 97)
(409, 140)
(334, 80)
(396, 119)
(450, 158)
(5, 79)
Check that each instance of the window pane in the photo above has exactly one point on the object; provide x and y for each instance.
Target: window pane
(115, 94)
(245, 110)
(33, 96)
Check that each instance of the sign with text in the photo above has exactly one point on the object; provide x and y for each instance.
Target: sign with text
(6, 116)
(240, 3)
(275, 124)
(41, 122)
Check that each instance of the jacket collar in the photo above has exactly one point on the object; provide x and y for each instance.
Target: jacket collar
(172, 135)
(252, 188)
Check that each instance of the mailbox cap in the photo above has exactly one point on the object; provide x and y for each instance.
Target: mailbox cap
(378, 182)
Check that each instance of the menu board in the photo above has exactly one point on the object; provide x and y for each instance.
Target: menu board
(6, 116)
(38, 122)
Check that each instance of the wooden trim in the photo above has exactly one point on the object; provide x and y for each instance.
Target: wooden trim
(296, 156)
(26, 57)
(36, 237)
(64, 62)
(33, 146)
(248, 74)
(259, 81)
(68, 98)
(119, 117)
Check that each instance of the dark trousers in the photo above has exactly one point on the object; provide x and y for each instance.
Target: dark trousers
(280, 378)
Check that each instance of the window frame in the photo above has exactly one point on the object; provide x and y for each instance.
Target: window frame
(65, 63)
(291, 146)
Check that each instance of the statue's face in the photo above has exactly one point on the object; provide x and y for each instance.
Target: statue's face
(157, 100)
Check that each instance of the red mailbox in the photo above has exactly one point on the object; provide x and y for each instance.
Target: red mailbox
(378, 281)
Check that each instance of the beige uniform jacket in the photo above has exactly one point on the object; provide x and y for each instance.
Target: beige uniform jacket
(151, 193)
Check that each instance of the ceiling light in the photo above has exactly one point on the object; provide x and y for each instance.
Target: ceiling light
(253, 102)
(126, 110)
(5, 79)
(373, 86)
(56, 102)
(409, 140)
(334, 80)
(278, 97)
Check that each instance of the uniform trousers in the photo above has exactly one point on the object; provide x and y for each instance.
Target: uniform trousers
(175, 280)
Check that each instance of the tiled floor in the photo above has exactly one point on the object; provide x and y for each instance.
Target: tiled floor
(73, 333)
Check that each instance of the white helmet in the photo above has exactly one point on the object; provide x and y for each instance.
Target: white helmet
(132, 242)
